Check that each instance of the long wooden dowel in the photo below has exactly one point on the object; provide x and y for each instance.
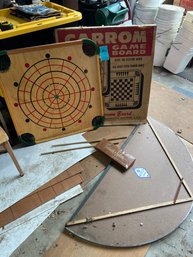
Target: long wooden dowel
(71, 149)
(171, 160)
(91, 142)
(125, 212)
(178, 191)
(67, 150)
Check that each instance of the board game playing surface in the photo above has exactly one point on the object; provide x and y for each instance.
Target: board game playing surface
(125, 90)
(53, 90)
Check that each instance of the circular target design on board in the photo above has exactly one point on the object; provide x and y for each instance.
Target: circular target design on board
(54, 93)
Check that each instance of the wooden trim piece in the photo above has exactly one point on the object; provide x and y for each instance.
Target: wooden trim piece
(125, 212)
(42, 47)
(178, 191)
(171, 160)
(66, 150)
(71, 149)
(91, 141)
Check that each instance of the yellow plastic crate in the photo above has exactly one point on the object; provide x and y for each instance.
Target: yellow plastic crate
(21, 26)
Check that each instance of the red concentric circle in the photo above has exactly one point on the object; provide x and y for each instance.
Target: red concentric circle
(54, 93)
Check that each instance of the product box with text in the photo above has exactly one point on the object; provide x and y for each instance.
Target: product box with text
(126, 54)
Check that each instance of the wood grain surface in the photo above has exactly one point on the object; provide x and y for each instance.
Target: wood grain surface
(50, 93)
(172, 109)
(67, 246)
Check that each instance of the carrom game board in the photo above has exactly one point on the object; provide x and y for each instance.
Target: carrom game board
(126, 68)
(53, 90)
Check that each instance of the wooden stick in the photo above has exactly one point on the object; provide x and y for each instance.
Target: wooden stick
(66, 150)
(91, 142)
(70, 149)
(131, 211)
(178, 190)
(171, 160)
(12, 155)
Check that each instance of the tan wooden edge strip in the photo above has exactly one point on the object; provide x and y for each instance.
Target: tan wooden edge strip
(92, 141)
(171, 160)
(66, 150)
(131, 211)
(70, 149)
(178, 190)
(43, 47)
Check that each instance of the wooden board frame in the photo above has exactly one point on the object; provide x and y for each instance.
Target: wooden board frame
(53, 90)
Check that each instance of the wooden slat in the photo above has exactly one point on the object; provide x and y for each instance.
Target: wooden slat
(126, 212)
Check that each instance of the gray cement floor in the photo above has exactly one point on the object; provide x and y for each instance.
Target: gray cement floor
(183, 85)
(177, 244)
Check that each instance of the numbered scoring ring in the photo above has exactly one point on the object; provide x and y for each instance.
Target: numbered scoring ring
(54, 93)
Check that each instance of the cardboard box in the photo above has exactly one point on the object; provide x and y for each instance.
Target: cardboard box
(176, 2)
(126, 68)
(187, 4)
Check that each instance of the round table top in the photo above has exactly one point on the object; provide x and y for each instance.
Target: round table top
(156, 192)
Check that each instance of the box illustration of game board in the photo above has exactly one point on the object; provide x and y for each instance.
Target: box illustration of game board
(126, 68)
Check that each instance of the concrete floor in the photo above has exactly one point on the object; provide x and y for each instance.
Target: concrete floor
(183, 85)
(177, 244)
